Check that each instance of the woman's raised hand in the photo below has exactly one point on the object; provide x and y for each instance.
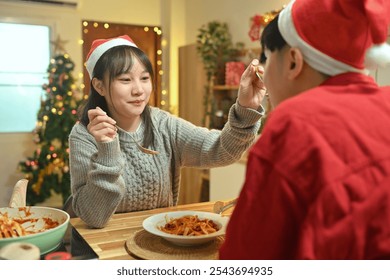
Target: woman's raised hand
(101, 126)
(252, 90)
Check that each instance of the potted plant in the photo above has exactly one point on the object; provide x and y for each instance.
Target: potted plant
(215, 47)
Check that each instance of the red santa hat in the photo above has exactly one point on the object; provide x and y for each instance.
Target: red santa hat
(337, 36)
(100, 46)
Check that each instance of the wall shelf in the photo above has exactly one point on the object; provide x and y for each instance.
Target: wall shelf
(225, 87)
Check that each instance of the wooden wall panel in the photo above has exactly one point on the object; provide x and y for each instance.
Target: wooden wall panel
(192, 80)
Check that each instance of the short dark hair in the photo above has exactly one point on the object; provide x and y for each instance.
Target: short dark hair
(116, 61)
(271, 38)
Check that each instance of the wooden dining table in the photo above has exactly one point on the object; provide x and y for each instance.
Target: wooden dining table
(109, 242)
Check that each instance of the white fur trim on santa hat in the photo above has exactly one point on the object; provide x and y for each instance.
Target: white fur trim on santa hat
(101, 49)
(316, 59)
(378, 55)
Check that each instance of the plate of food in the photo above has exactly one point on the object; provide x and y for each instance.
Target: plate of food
(44, 227)
(186, 228)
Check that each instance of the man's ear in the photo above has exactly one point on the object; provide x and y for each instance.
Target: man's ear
(98, 86)
(296, 62)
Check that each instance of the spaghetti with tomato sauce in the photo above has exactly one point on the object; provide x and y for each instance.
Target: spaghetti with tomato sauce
(189, 225)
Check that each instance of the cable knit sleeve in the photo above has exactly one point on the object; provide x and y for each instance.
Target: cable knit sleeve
(201, 147)
(97, 186)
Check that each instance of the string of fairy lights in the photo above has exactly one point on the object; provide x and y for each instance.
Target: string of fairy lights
(164, 102)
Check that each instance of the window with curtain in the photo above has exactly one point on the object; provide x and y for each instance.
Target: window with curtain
(24, 56)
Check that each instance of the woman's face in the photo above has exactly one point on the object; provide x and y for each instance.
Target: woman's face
(129, 93)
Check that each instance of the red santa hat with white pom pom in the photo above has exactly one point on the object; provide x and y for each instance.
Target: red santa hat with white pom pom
(338, 36)
(100, 46)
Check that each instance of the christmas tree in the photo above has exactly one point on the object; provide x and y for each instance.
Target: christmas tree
(47, 170)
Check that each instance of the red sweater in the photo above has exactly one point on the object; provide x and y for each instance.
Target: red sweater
(318, 179)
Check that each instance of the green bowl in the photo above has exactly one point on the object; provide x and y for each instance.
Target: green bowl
(47, 240)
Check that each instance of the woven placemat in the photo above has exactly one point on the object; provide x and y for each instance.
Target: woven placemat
(145, 245)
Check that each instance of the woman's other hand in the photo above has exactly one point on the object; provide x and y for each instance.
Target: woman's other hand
(101, 126)
(252, 90)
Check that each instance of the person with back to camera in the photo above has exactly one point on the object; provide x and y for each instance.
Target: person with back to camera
(317, 184)
(109, 173)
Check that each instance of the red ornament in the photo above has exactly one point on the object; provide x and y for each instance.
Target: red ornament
(254, 31)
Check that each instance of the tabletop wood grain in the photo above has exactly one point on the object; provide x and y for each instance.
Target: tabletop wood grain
(109, 242)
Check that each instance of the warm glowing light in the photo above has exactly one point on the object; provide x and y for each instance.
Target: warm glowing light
(81, 42)
(85, 31)
(159, 52)
(159, 62)
(81, 75)
(74, 111)
(53, 89)
(82, 86)
(159, 32)
(162, 102)
(95, 24)
(161, 72)
(45, 118)
(51, 148)
(155, 29)
(106, 26)
(48, 156)
(53, 110)
(85, 23)
(164, 92)
(60, 113)
(146, 29)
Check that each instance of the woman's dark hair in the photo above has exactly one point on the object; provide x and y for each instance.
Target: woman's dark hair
(271, 38)
(116, 61)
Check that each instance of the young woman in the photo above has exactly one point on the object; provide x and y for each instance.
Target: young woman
(110, 172)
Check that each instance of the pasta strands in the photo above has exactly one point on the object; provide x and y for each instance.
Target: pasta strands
(189, 225)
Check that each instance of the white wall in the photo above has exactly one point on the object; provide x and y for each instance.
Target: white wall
(235, 13)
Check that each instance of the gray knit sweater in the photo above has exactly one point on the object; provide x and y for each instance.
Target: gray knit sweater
(113, 177)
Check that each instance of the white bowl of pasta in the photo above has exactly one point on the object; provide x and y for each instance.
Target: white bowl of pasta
(186, 228)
